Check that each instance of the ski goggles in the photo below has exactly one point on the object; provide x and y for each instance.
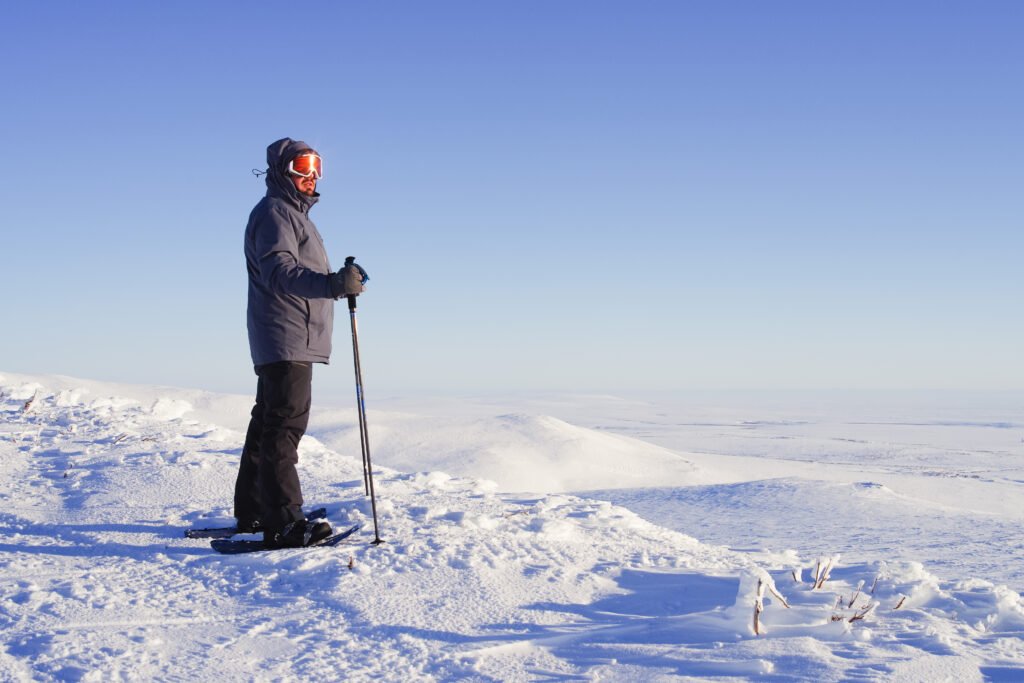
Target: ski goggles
(306, 165)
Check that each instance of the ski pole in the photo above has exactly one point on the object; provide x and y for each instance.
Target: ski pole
(362, 428)
(364, 436)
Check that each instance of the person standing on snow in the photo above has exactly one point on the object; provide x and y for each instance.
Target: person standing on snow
(290, 318)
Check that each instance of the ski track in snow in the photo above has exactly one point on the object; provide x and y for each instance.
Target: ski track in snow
(98, 583)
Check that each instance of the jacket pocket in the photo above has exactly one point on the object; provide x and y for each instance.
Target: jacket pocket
(309, 331)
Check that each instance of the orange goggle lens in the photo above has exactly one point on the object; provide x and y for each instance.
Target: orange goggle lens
(306, 165)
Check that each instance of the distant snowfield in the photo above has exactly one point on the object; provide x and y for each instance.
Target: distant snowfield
(572, 538)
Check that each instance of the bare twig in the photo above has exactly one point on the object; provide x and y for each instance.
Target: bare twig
(28, 403)
(874, 584)
(775, 592)
(862, 613)
(758, 607)
(900, 603)
(823, 577)
(860, 585)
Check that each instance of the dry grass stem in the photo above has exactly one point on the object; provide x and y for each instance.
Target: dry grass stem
(778, 596)
(759, 607)
(823, 577)
(862, 613)
(856, 594)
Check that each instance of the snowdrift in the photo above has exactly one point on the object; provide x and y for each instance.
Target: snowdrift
(527, 453)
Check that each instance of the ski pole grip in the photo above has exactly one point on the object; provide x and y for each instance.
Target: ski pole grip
(349, 260)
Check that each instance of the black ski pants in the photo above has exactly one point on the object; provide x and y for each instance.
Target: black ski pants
(267, 487)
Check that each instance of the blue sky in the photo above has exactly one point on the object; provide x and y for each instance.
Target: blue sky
(573, 196)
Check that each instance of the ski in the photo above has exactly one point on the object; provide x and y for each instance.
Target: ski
(229, 546)
(229, 531)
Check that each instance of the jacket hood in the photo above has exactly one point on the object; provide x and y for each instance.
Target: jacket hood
(279, 153)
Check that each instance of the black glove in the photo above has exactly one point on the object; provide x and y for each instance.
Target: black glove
(349, 280)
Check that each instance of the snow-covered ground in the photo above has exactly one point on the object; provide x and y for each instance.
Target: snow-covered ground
(571, 538)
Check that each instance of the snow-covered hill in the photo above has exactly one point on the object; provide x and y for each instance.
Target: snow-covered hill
(474, 582)
(519, 452)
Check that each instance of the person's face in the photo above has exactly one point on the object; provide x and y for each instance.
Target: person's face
(304, 185)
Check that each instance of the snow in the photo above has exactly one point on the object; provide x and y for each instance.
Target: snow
(566, 538)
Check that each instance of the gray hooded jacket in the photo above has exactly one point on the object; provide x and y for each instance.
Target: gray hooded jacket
(290, 315)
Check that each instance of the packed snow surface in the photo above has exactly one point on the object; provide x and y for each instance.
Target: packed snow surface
(572, 538)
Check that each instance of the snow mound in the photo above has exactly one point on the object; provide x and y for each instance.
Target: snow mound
(526, 453)
(170, 409)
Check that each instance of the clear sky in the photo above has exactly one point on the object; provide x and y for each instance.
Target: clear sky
(581, 196)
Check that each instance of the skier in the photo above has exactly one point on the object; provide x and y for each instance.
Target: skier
(290, 317)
